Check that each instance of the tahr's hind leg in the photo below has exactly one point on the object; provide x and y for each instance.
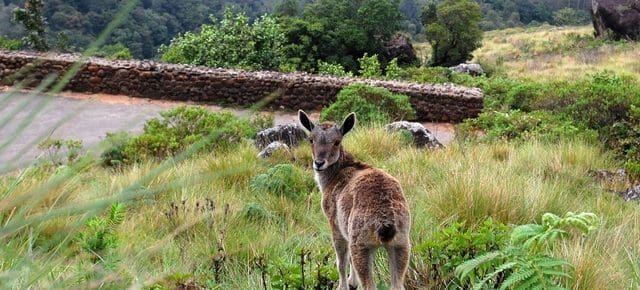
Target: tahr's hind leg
(342, 259)
(362, 262)
(398, 264)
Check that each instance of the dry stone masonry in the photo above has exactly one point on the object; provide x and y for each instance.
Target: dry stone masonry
(150, 79)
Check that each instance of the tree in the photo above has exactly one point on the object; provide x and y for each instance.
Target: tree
(230, 43)
(31, 17)
(454, 33)
(287, 8)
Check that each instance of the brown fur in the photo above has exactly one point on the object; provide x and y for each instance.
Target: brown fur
(365, 206)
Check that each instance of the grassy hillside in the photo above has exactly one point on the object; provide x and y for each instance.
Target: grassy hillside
(201, 222)
(552, 53)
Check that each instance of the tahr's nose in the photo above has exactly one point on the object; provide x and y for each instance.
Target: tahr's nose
(318, 163)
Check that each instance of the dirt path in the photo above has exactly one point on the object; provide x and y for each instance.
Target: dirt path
(26, 119)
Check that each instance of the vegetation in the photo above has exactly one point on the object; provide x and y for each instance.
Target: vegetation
(453, 31)
(32, 18)
(231, 43)
(371, 104)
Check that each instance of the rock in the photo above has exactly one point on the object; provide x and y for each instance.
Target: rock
(620, 17)
(632, 193)
(289, 134)
(272, 148)
(421, 136)
(400, 47)
(607, 176)
(473, 69)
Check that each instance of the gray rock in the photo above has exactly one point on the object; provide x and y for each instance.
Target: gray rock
(473, 69)
(618, 18)
(422, 137)
(607, 176)
(289, 134)
(632, 193)
(272, 148)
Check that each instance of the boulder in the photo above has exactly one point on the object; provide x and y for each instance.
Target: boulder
(400, 47)
(632, 193)
(473, 69)
(272, 148)
(289, 134)
(620, 17)
(422, 137)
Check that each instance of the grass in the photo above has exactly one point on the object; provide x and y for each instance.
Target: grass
(552, 53)
(189, 227)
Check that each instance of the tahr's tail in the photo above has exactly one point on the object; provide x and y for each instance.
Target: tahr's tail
(386, 231)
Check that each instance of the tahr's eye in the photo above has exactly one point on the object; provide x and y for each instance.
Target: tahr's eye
(337, 143)
(310, 140)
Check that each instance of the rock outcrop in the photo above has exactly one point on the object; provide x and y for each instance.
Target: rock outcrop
(400, 47)
(473, 69)
(289, 134)
(620, 18)
(422, 137)
(149, 79)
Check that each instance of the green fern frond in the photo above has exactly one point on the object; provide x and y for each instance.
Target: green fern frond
(523, 233)
(463, 270)
(491, 275)
(522, 276)
(116, 214)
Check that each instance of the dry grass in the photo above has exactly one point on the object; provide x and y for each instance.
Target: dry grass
(553, 53)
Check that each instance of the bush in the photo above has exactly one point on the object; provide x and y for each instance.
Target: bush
(371, 104)
(99, 234)
(230, 43)
(570, 16)
(518, 125)
(393, 70)
(181, 127)
(369, 66)
(10, 44)
(332, 69)
(455, 244)
(283, 180)
(115, 51)
(53, 149)
(255, 212)
(115, 145)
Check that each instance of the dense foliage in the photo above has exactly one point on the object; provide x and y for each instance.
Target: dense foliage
(230, 43)
(453, 31)
(175, 131)
(371, 104)
(32, 18)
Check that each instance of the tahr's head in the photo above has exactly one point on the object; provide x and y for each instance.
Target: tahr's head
(326, 139)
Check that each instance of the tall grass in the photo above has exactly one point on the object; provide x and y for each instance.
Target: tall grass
(171, 234)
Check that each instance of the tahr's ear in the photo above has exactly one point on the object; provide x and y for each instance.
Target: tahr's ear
(304, 120)
(348, 123)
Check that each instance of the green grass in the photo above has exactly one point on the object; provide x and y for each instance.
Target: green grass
(171, 234)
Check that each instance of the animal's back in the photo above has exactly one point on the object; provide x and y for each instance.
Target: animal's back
(379, 206)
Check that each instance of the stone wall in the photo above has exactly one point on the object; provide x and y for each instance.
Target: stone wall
(149, 79)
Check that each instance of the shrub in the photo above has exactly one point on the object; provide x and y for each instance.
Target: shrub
(518, 125)
(393, 70)
(115, 145)
(283, 180)
(181, 127)
(371, 105)
(115, 51)
(455, 244)
(369, 66)
(332, 69)
(255, 212)
(10, 44)
(230, 43)
(53, 149)
(307, 271)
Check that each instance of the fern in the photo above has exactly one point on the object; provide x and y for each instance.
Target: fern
(525, 262)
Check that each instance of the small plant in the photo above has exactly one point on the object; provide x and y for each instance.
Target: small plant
(369, 66)
(115, 51)
(262, 121)
(371, 104)
(99, 234)
(455, 244)
(332, 69)
(53, 147)
(525, 262)
(283, 180)
(393, 70)
(306, 272)
(255, 212)
(10, 44)
(114, 154)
